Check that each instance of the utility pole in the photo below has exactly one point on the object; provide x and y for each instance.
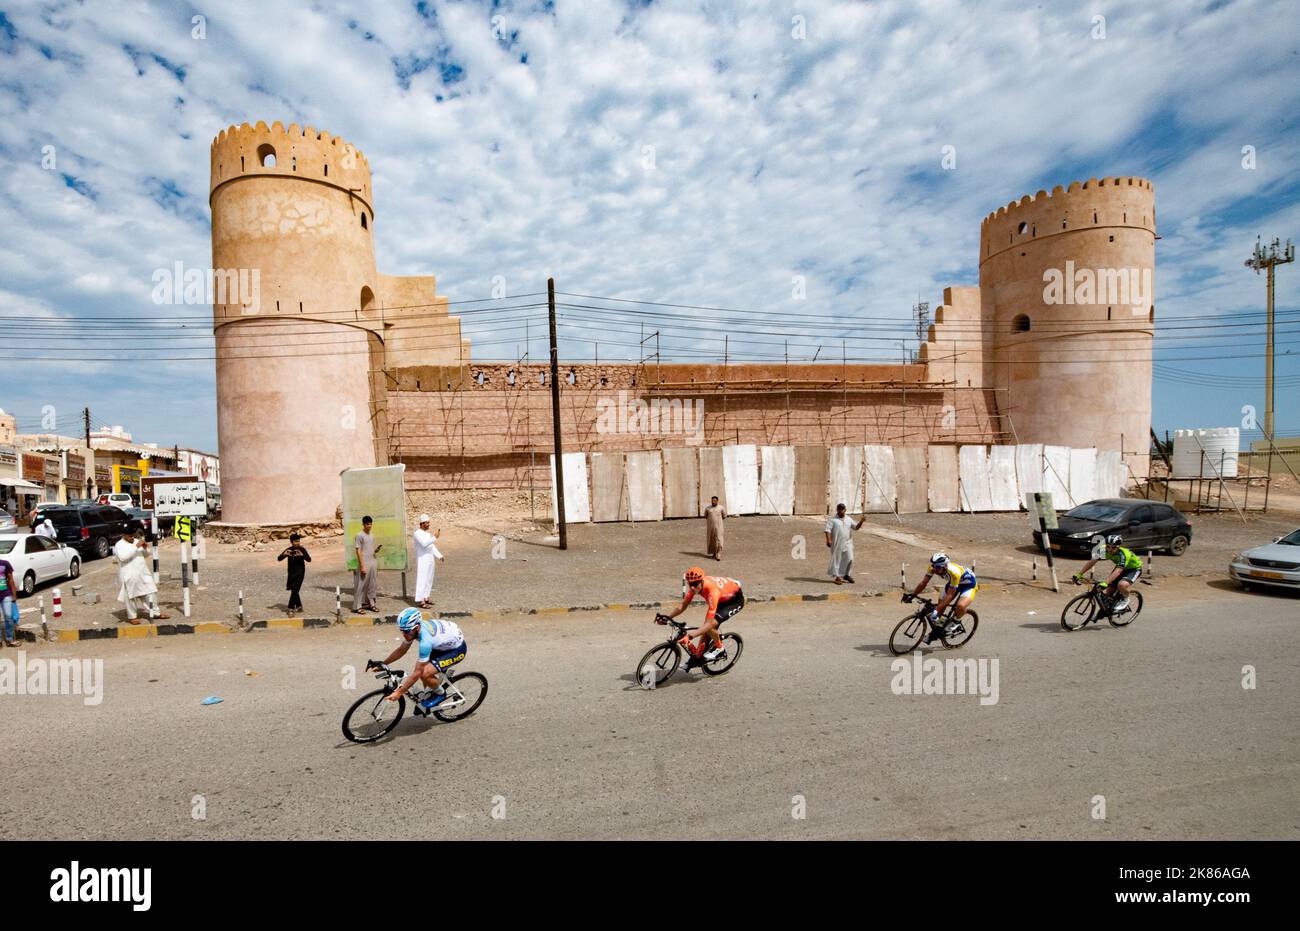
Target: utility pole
(561, 523)
(1268, 257)
(90, 455)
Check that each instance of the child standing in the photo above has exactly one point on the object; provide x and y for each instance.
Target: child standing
(298, 558)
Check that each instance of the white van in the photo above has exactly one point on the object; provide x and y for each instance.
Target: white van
(119, 499)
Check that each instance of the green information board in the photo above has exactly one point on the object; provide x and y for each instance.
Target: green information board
(381, 493)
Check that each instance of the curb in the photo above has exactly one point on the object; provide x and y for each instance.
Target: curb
(123, 631)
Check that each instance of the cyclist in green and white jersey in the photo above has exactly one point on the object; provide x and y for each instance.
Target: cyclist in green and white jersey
(1128, 569)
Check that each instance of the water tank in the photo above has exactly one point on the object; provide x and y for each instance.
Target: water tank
(1220, 446)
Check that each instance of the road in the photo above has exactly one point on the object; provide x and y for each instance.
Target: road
(1153, 718)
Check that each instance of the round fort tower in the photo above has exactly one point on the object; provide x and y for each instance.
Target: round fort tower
(1067, 290)
(298, 360)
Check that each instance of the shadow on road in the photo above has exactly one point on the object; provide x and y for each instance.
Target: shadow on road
(1273, 591)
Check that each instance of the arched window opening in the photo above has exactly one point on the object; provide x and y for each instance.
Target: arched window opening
(510, 377)
(266, 155)
(480, 378)
(365, 224)
(1020, 324)
(367, 302)
(1023, 227)
(573, 378)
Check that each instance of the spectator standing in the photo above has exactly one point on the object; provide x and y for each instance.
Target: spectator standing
(46, 529)
(426, 556)
(365, 580)
(839, 538)
(714, 515)
(298, 558)
(133, 573)
(9, 602)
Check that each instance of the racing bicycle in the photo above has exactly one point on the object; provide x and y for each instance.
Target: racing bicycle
(373, 715)
(662, 661)
(911, 630)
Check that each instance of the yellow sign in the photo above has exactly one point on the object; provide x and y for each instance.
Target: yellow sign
(184, 529)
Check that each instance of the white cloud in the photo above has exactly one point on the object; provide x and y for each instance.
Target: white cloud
(772, 156)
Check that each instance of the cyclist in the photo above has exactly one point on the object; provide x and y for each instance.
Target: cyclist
(1128, 568)
(723, 598)
(442, 645)
(960, 586)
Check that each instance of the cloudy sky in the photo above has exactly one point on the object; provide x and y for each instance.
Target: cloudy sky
(677, 152)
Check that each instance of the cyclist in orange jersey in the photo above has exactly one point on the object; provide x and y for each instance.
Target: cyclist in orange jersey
(723, 598)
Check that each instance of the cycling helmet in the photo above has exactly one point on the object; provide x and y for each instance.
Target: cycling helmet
(1114, 540)
(938, 560)
(694, 574)
(409, 619)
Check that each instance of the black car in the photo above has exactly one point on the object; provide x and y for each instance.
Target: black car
(91, 528)
(1144, 525)
(144, 517)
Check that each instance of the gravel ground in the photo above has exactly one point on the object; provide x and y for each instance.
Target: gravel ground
(628, 563)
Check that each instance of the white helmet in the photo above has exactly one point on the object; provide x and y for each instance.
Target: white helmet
(938, 560)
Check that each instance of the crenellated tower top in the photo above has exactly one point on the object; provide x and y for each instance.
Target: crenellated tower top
(248, 151)
(1121, 202)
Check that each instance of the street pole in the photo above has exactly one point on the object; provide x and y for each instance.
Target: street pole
(561, 523)
(90, 455)
(1268, 258)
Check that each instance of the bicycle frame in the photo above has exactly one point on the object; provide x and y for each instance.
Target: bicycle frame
(394, 679)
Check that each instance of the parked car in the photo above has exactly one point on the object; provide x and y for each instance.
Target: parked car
(144, 518)
(92, 529)
(117, 499)
(1276, 564)
(1144, 525)
(7, 522)
(38, 559)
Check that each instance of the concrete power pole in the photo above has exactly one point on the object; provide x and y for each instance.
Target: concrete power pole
(90, 455)
(1269, 257)
(561, 523)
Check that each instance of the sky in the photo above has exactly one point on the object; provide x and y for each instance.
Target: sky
(801, 158)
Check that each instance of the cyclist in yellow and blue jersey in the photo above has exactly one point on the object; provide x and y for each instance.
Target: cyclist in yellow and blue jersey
(959, 588)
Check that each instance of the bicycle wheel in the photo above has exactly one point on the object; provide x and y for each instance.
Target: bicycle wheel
(908, 634)
(372, 716)
(473, 689)
(732, 646)
(1078, 611)
(969, 621)
(658, 664)
(1134, 608)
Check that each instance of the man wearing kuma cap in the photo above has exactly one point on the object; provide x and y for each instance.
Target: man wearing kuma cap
(426, 552)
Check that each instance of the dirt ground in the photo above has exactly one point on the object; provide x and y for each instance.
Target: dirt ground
(498, 559)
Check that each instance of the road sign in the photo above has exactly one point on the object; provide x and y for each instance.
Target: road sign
(1041, 511)
(176, 497)
(184, 529)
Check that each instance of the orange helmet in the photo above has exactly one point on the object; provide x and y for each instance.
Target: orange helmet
(694, 574)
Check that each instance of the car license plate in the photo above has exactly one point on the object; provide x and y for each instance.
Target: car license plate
(1266, 575)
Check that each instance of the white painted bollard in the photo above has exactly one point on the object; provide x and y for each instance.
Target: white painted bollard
(338, 605)
(185, 577)
(1034, 563)
(902, 576)
(58, 604)
(153, 549)
(45, 628)
(194, 553)
(241, 607)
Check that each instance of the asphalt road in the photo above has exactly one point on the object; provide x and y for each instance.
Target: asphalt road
(1153, 718)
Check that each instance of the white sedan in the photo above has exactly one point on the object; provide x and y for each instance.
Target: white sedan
(38, 559)
(1277, 564)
